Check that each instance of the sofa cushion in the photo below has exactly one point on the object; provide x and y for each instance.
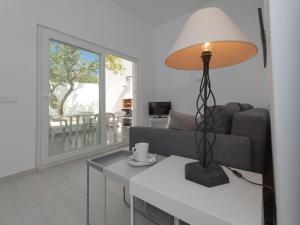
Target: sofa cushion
(235, 107)
(223, 120)
(181, 121)
(232, 150)
(246, 106)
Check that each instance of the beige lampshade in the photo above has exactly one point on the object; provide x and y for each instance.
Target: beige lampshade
(210, 29)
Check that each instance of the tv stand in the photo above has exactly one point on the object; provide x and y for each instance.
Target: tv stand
(159, 116)
(158, 121)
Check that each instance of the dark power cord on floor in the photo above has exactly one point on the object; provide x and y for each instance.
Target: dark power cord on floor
(241, 176)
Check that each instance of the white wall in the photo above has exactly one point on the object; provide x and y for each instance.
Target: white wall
(84, 98)
(98, 21)
(285, 36)
(246, 82)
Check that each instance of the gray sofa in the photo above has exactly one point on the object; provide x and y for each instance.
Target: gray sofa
(243, 148)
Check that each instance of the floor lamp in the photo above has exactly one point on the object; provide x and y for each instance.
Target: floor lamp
(208, 40)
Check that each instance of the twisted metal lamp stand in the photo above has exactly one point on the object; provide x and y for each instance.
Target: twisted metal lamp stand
(204, 118)
(205, 172)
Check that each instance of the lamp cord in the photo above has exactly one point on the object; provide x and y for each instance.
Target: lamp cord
(241, 176)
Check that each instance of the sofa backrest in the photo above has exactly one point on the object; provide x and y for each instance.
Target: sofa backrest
(253, 123)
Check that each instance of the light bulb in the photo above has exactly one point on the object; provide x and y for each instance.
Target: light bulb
(206, 47)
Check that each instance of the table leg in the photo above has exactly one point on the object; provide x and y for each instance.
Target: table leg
(70, 126)
(88, 195)
(176, 221)
(105, 201)
(77, 127)
(132, 213)
(124, 197)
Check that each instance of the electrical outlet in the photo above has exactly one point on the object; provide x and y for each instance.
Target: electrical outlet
(8, 99)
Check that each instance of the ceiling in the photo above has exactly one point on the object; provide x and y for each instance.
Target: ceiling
(157, 12)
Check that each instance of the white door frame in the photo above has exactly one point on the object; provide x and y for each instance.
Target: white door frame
(45, 34)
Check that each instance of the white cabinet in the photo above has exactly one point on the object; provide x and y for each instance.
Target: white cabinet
(158, 122)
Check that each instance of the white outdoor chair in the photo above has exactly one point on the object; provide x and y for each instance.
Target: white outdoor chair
(86, 117)
(111, 126)
(118, 117)
(54, 129)
(94, 126)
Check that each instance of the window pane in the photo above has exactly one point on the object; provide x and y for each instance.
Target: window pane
(74, 120)
(119, 98)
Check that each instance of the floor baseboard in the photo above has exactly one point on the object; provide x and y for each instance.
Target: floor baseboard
(107, 150)
(18, 174)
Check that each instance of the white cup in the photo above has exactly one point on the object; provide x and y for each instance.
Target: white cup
(140, 151)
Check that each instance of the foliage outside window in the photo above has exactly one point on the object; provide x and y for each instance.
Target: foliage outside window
(69, 65)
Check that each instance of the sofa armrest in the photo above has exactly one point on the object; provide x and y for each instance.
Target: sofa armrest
(253, 124)
(231, 150)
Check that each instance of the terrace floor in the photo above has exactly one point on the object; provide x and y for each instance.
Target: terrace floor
(63, 143)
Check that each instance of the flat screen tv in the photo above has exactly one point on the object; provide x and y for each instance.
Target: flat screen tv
(159, 108)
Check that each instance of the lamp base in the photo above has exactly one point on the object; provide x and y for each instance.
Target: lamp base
(212, 176)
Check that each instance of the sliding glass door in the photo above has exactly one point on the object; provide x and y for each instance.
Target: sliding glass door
(86, 97)
(72, 97)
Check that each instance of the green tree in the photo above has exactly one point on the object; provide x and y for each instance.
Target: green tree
(67, 66)
(114, 64)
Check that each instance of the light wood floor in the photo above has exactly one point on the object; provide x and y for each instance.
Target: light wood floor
(56, 196)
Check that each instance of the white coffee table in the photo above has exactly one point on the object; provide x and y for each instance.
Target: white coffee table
(113, 166)
(164, 186)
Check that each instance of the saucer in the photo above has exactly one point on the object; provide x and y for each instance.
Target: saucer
(151, 159)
